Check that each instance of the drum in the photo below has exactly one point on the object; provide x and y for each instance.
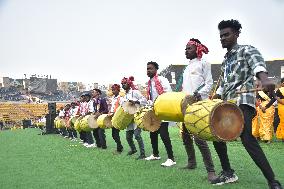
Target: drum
(214, 120)
(104, 121)
(72, 121)
(121, 119)
(60, 123)
(168, 106)
(77, 124)
(146, 119)
(88, 123)
(130, 107)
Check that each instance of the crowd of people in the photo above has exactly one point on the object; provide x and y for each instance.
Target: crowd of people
(241, 64)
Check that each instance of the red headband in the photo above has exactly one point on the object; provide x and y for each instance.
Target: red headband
(200, 49)
(129, 81)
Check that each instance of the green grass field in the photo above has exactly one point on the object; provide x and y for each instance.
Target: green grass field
(29, 160)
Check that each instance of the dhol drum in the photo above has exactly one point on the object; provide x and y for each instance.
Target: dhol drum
(168, 106)
(77, 124)
(60, 123)
(146, 119)
(88, 123)
(124, 115)
(214, 120)
(104, 121)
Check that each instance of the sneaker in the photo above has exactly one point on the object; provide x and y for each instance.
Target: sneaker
(91, 145)
(168, 163)
(66, 136)
(225, 177)
(131, 152)
(275, 185)
(152, 157)
(85, 144)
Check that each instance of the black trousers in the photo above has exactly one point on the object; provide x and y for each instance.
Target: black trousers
(116, 138)
(164, 134)
(251, 145)
(100, 137)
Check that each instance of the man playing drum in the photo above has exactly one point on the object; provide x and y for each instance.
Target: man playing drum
(241, 64)
(100, 107)
(156, 86)
(86, 108)
(134, 96)
(115, 102)
(197, 80)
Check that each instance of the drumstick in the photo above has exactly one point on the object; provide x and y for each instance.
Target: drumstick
(249, 90)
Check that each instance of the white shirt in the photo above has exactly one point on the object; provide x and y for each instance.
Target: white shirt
(114, 99)
(165, 84)
(197, 73)
(134, 95)
(73, 111)
(86, 107)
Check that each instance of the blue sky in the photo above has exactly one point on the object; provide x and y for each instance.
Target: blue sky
(103, 41)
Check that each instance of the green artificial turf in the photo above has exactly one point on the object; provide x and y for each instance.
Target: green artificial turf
(29, 160)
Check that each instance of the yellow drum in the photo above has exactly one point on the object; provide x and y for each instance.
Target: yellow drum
(121, 119)
(77, 124)
(104, 121)
(214, 120)
(168, 105)
(60, 123)
(88, 123)
(146, 119)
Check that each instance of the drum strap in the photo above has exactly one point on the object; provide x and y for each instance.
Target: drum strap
(116, 104)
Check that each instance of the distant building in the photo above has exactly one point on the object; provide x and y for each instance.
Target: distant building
(173, 72)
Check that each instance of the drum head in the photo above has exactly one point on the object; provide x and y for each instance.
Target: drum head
(226, 121)
(92, 122)
(151, 122)
(130, 108)
(107, 121)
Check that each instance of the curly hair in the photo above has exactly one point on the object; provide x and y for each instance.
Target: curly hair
(155, 64)
(234, 24)
(196, 40)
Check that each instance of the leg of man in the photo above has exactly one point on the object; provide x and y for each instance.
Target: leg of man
(154, 142)
(137, 135)
(164, 134)
(207, 159)
(116, 138)
(97, 138)
(189, 148)
(252, 146)
(89, 137)
(129, 139)
(102, 137)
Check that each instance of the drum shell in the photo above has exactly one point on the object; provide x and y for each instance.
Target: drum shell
(77, 124)
(214, 120)
(121, 119)
(146, 119)
(60, 123)
(88, 123)
(104, 121)
(167, 106)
